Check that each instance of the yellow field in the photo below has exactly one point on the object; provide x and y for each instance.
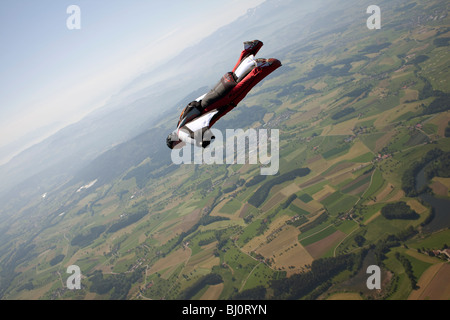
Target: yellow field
(326, 191)
(373, 217)
(204, 259)
(424, 34)
(384, 140)
(213, 292)
(345, 296)
(441, 120)
(173, 259)
(340, 178)
(422, 257)
(290, 189)
(311, 206)
(410, 95)
(286, 251)
(358, 149)
(383, 194)
(268, 116)
(441, 186)
(36, 294)
(416, 206)
(317, 249)
(276, 199)
(386, 117)
(431, 284)
(342, 128)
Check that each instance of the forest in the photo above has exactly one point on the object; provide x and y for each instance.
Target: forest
(120, 284)
(399, 210)
(261, 194)
(299, 285)
(409, 176)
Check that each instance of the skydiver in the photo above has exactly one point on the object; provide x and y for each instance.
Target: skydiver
(199, 116)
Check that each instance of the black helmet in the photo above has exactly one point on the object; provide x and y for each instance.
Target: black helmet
(171, 139)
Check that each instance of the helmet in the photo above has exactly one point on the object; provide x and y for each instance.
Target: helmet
(171, 140)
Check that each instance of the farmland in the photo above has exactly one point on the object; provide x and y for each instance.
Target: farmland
(354, 116)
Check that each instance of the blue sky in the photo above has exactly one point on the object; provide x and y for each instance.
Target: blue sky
(52, 74)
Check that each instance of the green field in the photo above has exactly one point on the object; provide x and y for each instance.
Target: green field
(351, 109)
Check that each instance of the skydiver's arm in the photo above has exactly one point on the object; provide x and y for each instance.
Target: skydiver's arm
(197, 132)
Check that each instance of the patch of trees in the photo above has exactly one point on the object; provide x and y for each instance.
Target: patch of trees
(360, 240)
(409, 176)
(418, 59)
(204, 221)
(305, 198)
(393, 240)
(430, 217)
(206, 241)
(85, 239)
(359, 91)
(440, 167)
(120, 284)
(342, 113)
(205, 185)
(138, 211)
(233, 187)
(289, 200)
(441, 42)
(256, 293)
(332, 152)
(27, 286)
(399, 210)
(374, 48)
(24, 252)
(209, 279)
(440, 104)
(57, 259)
(291, 89)
(408, 269)
(261, 194)
(427, 90)
(296, 223)
(321, 70)
(83, 210)
(322, 270)
(447, 131)
(255, 180)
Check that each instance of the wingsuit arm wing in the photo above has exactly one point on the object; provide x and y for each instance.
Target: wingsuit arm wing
(198, 131)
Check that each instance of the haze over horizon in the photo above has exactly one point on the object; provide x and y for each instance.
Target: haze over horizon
(53, 76)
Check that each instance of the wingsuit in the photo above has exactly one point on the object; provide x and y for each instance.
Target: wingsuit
(199, 116)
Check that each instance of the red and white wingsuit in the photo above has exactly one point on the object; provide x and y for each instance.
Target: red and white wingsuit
(200, 115)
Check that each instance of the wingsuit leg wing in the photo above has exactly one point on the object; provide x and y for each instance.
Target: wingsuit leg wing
(226, 95)
(250, 48)
(263, 67)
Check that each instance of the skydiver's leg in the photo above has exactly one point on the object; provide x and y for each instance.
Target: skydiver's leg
(263, 68)
(250, 48)
(244, 68)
